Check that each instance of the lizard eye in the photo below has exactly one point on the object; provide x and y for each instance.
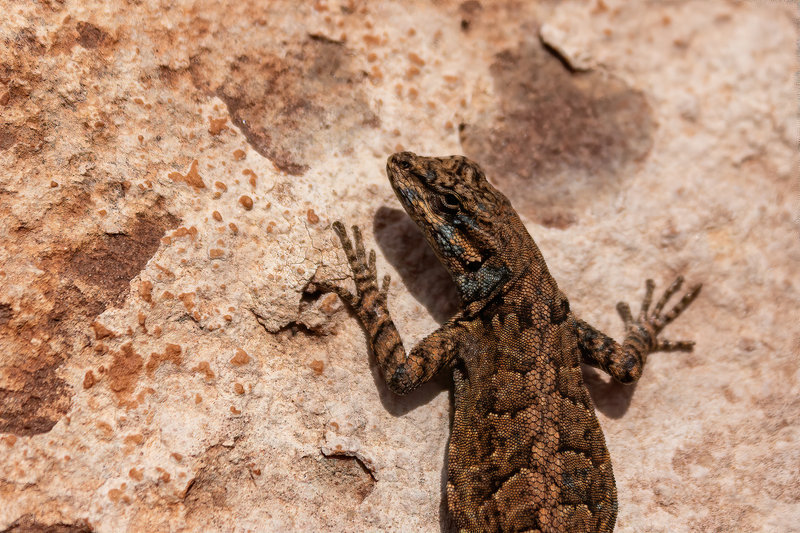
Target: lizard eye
(450, 202)
(405, 165)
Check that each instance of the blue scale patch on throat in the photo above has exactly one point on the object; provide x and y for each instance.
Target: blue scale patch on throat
(478, 285)
(446, 243)
(464, 220)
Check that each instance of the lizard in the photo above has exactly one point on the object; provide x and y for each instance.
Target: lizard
(526, 450)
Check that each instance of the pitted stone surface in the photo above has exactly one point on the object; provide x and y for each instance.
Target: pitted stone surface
(169, 175)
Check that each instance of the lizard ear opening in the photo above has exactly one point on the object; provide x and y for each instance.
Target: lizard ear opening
(473, 266)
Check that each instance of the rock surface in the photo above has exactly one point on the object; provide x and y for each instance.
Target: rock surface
(169, 174)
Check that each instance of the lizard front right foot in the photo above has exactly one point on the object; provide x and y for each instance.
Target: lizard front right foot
(369, 301)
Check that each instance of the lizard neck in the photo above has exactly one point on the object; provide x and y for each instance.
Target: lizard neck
(515, 261)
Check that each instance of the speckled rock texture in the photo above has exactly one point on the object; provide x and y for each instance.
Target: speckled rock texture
(168, 174)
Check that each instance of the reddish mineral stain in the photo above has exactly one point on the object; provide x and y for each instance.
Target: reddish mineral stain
(216, 125)
(115, 495)
(205, 368)
(146, 291)
(100, 331)
(172, 354)
(191, 178)
(317, 367)
(188, 300)
(182, 232)
(246, 202)
(252, 178)
(135, 440)
(241, 358)
(124, 371)
(416, 59)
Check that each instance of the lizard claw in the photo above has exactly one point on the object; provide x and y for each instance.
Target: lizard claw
(385, 287)
(624, 311)
(650, 286)
(664, 345)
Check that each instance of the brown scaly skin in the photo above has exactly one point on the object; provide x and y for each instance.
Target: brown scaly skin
(526, 450)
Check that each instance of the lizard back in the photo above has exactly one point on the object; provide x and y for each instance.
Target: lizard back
(526, 450)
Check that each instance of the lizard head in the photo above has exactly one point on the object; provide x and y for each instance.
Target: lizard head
(470, 225)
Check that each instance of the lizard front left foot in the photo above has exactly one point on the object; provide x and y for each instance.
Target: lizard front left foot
(641, 338)
(648, 324)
